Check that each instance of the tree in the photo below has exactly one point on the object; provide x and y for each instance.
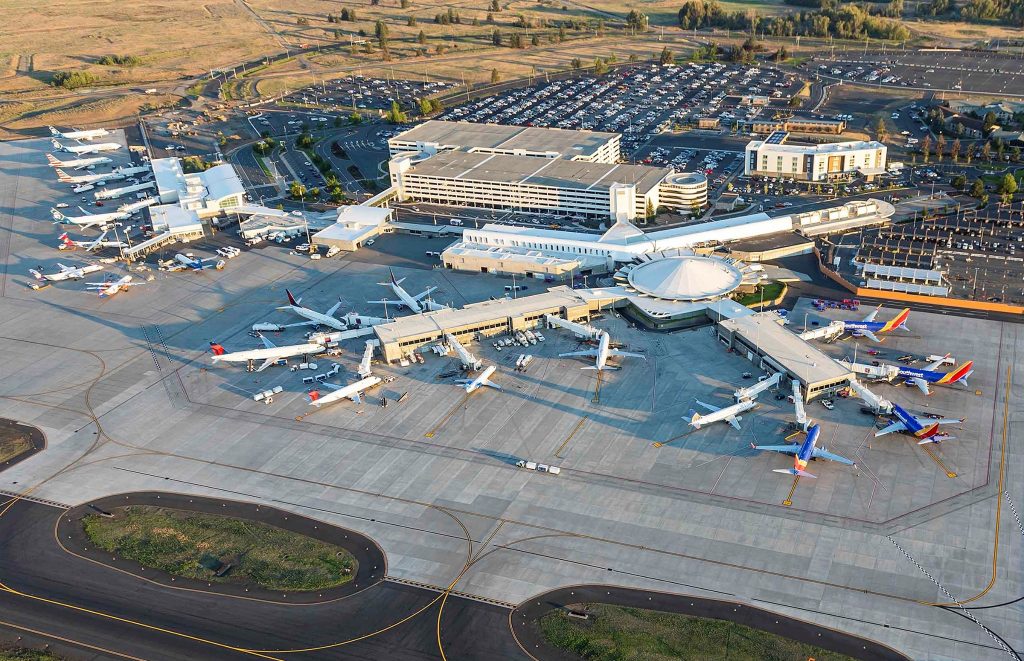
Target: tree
(355, 118)
(880, 130)
(576, 63)
(926, 147)
(411, 22)
(636, 21)
(380, 30)
(395, 115)
(1008, 184)
(986, 151)
(421, 37)
(515, 40)
(404, 4)
(297, 191)
(989, 121)
(302, 20)
(535, 40)
(649, 210)
(496, 38)
(1016, 154)
(958, 182)
(954, 150)
(490, 17)
(600, 67)
(495, 76)
(666, 56)
(495, 6)
(977, 188)
(940, 146)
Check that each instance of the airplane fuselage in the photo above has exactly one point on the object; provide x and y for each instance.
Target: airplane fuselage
(347, 392)
(722, 414)
(271, 353)
(79, 135)
(942, 378)
(478, 382)
(318, 317)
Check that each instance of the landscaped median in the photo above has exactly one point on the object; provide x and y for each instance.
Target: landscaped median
(225, 547)
(18, 442)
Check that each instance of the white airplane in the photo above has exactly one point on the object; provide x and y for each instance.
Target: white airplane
(313, 317)
(469, 385)
(101, 220)
(109, 288)
(77, 163)
(351, 391)
(135, 207)
(67, 243)
(66, 272)
(270, 354)
(186, 262)
(82, 150)
(728, 414)
(111, 193)
(411, 302)
(128, 171)
(87, 134)
(65, 178)
(601, 353)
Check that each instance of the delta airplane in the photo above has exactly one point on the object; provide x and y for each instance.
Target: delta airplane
(313, 317)
(411, 302)
(66, 272)
(101, 220)
(352, 391)
(601, 353)
(868, 327)
(929, 374)
(77, 163)
(67, 243)
(927, 430)
(804, 452)
(88, 134)
(470, 385)
(82, 150)
(728, 414)
(65, 178)
(270, 354)
(110, 288)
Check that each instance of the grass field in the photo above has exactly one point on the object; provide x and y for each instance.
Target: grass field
(22, 654)
(176, 542)
(766, 293)
(13, 442)
(624, 634)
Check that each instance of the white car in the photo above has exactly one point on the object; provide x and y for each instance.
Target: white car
(61, 205)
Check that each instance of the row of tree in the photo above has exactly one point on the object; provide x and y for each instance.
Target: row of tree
(846, 21)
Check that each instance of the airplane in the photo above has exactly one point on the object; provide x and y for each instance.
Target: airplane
(470, 385)
(113, 193)
(929, 374)
(128, 171)
(804, 452)
(88, 134)
(927, 430)
(66, 272)
(186, 262)
(601, 353)
(109, 288)
(82, 150)
(351, 391)
(270, 354)
(77, 163)
(727, 414)
(101, 220)
(65, 178)
(411, 302)
(313, 317)
(868, 327)
(67, 243)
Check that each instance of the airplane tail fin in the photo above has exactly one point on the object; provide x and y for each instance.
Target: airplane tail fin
(62, 176)
(57, 145)
(793, 471)
(53, 160)
(217, 349)
(53, 131)
(694, 418)
(936, 438)
(291, 299)
(314, 396)
(36, 274)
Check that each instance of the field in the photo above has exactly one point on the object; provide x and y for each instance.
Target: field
(621, 633)
(21, 654)
(187, 543)
(13, 443)
(767, 293)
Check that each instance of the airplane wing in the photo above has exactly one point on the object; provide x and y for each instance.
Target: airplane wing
(266, 363)
(874, 313)
(616, 352)
(491, 384)
(831, 456)
(931, 367)
(588, 352)
(732, 420)
(870, 335)
(788, 448)
(708, 406)
(334, 308)
(894, 427)
(267, 343)
(385, 302)
(949, 421)
(420, 297)
(355, 397)
(921, 384)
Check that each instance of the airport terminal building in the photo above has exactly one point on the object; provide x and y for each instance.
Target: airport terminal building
(772, 157)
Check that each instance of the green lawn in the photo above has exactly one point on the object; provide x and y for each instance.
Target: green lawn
(187, 543)
(22, 654)
(616, 633)
(771, 291)
(13, 442)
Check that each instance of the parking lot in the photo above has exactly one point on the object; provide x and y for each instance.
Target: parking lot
(366, 93)
(637, 101)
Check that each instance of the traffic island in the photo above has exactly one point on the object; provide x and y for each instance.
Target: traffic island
(18, 442)
(224, 547)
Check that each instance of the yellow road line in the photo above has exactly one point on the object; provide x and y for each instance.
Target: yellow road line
(792, 489)
(69, 640)
(674, 438)
(447, 417)
(937, 460)
(569, 437)
(999, 500)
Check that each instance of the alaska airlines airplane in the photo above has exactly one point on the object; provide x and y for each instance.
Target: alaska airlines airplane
(870, 328)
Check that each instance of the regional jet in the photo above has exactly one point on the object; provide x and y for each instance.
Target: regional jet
(601, 353)
(110, 288)
(804, 452)
(77, 163)
(470, 385)
(868, 327)
(927, 430)
(313, 317)
(82, 150)
(66, 272)
(414, 303)
(352, 391)
(270, 354)
(728, 414)
(87, 134)
(67, 243)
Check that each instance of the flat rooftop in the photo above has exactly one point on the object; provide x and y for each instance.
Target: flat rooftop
(827, 148)
(467, 135)
(803, 359)
(554, 173)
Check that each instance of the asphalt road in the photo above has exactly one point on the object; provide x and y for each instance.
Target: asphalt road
(50, 594)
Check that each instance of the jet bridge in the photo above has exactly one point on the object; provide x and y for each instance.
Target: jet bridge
(798, 407)
(827, 333)
(876, 372)
(469, 361)
(878, 404)
(753, 391)
(588, 332)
